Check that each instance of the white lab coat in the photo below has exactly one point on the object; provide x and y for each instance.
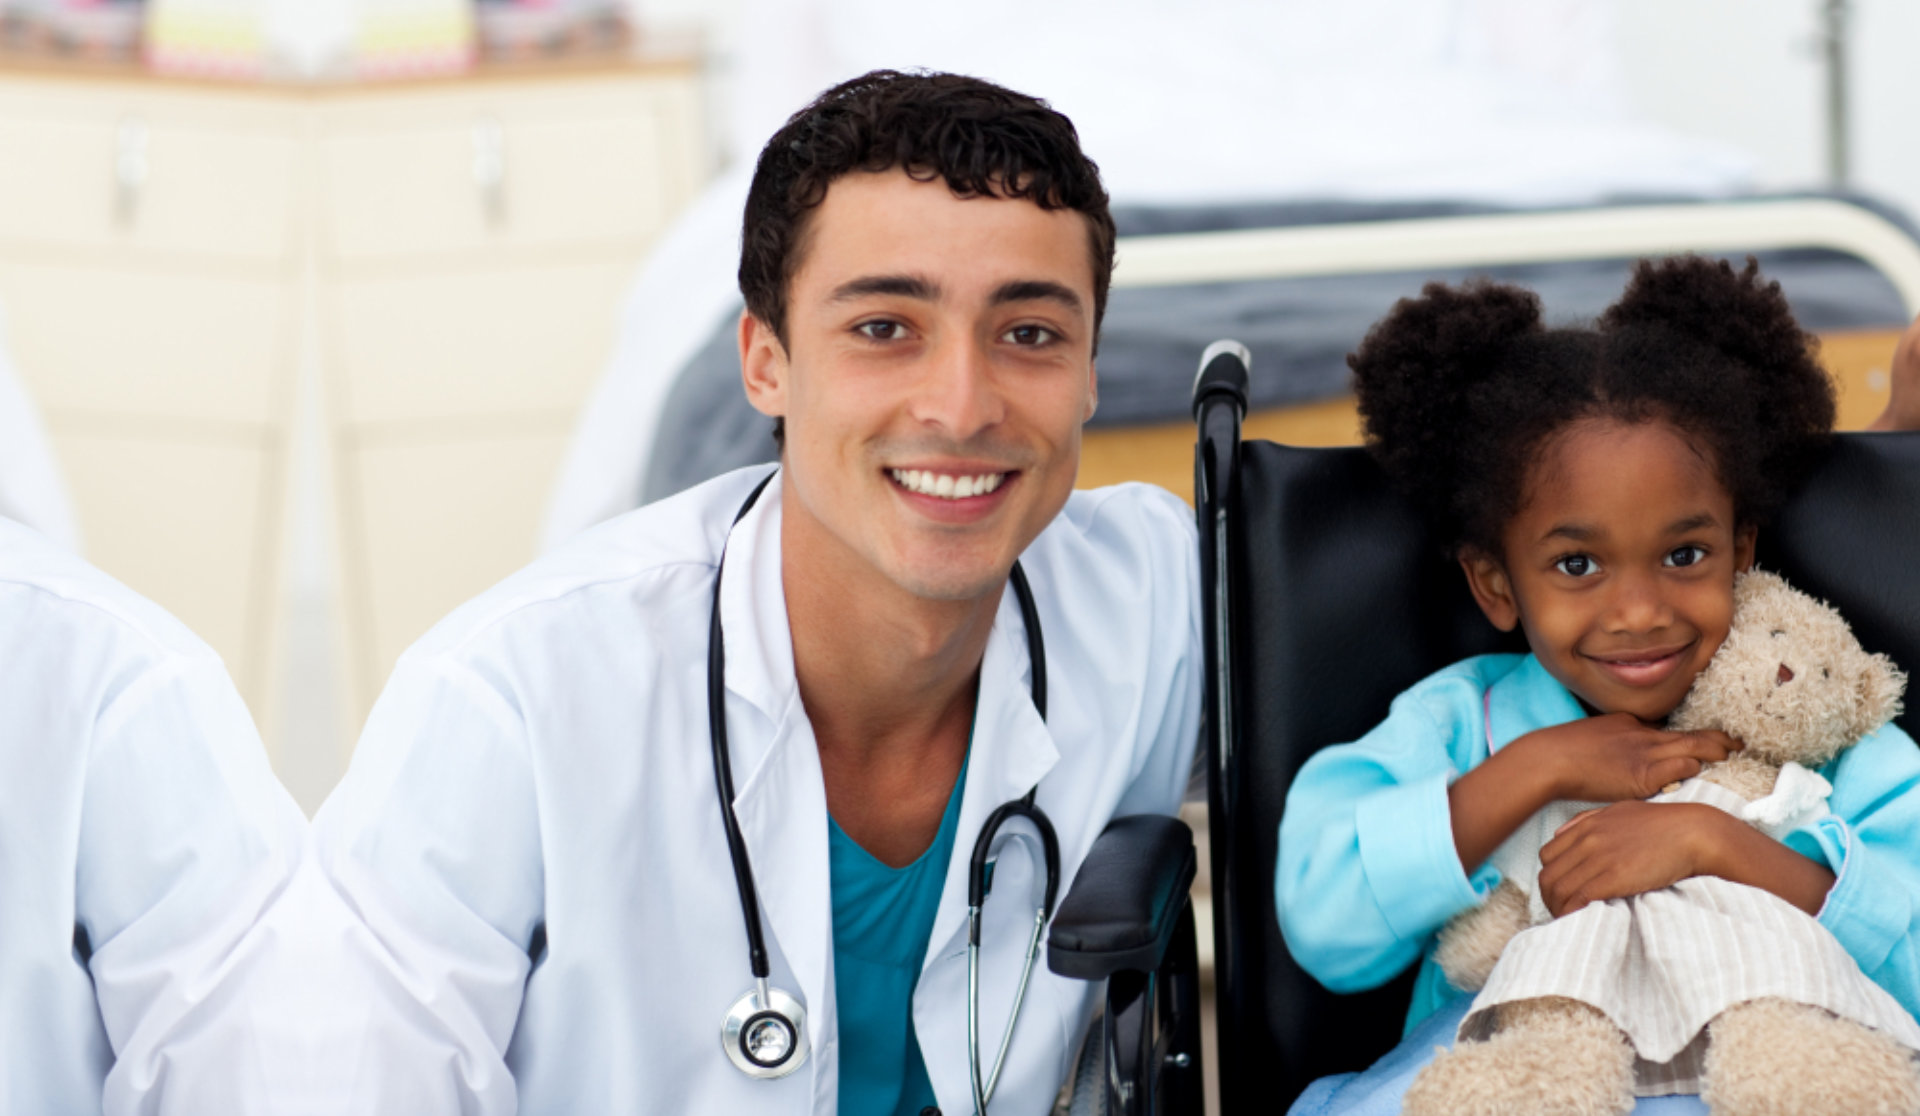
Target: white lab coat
(540, 762)
(141, 836)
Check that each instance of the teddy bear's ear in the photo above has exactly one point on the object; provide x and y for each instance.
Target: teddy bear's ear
(1881, 686)
(1753, 583)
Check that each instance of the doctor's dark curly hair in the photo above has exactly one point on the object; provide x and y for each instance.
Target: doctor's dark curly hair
(982, 139)
(1461, 388)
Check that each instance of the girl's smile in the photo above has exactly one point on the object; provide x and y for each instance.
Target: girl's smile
(1643, 668)
(1619, 565)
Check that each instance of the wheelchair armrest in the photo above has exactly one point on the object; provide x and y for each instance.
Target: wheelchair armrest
(1126, 899)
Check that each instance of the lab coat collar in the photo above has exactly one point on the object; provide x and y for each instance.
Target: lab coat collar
(753, 613)
(1011, 749)
(1525, 699)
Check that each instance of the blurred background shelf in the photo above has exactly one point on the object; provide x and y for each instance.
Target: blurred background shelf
(254, 314)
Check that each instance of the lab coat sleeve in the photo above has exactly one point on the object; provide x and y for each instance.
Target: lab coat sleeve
(185, 840)
(1171, 711)
(432, 844)
(1367, 867)
(1871, 842)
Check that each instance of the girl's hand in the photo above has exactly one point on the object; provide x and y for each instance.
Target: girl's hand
(1629, 848)
(1594, 759)
(1617, 756)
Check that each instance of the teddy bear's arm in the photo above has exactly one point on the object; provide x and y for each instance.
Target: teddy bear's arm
(1473, 940)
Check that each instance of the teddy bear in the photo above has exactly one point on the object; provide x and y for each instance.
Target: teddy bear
(1547, 1035)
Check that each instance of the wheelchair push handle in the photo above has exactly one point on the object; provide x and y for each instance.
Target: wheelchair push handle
(1222, 377)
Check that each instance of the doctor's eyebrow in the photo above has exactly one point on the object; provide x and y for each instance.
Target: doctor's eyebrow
(1029, 290)
(904, 286)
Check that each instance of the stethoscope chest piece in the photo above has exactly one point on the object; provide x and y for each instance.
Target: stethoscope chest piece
(765, 1033)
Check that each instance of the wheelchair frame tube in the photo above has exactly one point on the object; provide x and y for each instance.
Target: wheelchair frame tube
(1220, 403)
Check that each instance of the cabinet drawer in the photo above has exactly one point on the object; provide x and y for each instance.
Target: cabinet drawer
(96, 169)
(431, 524)
(178, 522)
(488, 343)
(149, 343)
(479, 173)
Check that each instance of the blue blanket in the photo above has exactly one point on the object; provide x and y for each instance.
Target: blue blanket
(1376, 1091)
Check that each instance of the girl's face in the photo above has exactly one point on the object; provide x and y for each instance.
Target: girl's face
(1619, 566)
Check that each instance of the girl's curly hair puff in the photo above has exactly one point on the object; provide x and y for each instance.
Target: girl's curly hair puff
(1462, 387)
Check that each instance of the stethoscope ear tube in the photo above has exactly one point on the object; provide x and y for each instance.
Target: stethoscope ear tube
(983, 846)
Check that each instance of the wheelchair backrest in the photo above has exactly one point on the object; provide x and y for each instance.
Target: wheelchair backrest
(1340, 598)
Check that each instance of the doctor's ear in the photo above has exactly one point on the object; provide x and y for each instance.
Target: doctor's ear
(1492, 588)
(1093, 392)
(763, 366)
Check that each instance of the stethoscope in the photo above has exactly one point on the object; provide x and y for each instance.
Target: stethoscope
(765, 1031)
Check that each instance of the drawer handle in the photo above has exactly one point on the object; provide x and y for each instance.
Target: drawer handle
(130, 169)
(490, 168)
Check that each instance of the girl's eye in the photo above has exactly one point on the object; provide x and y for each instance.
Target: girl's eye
(1577, 565)
(1686, 555)
(1030, 336)
(882, 330)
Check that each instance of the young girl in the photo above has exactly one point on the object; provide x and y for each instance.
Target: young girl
(1600, 488)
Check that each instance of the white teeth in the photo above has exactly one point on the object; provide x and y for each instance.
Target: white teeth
(945, 485)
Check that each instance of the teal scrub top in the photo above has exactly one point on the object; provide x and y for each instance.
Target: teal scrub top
(882, 917)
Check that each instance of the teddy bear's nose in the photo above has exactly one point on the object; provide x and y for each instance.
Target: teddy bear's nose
(1785, 676)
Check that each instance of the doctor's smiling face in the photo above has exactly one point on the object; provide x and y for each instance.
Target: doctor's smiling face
(936, 369)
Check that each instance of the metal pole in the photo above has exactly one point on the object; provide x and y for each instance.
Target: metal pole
(1834, 17)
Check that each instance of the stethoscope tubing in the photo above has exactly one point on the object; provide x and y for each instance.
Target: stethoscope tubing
(977, 874)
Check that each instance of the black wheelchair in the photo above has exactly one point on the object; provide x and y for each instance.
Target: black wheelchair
(1325, 597)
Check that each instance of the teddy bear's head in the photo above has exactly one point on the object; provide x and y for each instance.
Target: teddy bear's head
(1790, 681)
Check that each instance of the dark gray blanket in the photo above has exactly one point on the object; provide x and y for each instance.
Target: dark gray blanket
(1299, 330)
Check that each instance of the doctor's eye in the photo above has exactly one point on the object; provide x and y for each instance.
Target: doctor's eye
(1030, 336)
(881, 329)
(1577, 565)
(1686, 555)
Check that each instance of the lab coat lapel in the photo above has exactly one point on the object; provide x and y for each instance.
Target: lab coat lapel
(1012, 751)
(779, 798)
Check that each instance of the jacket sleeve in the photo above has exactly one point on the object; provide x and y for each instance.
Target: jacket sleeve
(186, 841)
(1173, 767)
(1367, 869)
(1871, 842)
(429, 853)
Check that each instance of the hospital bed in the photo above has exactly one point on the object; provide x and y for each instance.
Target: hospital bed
(1299, 283)
(1324, 597)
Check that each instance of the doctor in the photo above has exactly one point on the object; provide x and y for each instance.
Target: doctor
(532, 832)
(142, 836)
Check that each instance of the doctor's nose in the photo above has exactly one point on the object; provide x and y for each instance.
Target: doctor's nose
(958, 392)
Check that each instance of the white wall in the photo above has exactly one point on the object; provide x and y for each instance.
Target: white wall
(1886, 100)
(1750, 72)
(1744, 72)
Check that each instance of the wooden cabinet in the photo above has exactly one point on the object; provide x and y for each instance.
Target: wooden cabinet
(475, 241)
(439, 265)
(150, 276)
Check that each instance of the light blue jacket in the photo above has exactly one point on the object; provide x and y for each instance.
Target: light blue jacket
(1368, 871)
